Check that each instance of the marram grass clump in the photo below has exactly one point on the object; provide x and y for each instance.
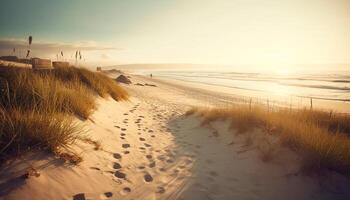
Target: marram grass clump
(321, 138)
(37, 107)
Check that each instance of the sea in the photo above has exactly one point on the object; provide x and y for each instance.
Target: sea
(329, 86)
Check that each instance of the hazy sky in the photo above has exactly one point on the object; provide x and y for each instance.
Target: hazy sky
(260, 32)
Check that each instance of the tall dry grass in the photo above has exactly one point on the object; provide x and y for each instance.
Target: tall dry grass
(23, 130)
(36, 107)
(321, 138)
(98, 82)
(29, 90)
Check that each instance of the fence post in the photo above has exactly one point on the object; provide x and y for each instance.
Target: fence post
(250, 104)
(311, 103)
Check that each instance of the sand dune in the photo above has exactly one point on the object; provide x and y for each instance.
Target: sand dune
(151, 150)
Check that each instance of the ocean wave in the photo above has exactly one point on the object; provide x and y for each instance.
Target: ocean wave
(333, 87)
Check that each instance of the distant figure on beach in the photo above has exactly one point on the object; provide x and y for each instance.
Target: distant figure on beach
(151, 75)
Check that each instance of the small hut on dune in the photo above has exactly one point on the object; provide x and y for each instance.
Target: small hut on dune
(38, 63)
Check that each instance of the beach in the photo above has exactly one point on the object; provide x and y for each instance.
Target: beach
(150, 149)
(175, 100)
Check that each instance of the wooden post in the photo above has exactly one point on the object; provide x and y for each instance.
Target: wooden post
(311, 103)
(250, 104)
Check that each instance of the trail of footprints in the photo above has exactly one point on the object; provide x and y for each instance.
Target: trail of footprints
(144, 134)
(158, 161)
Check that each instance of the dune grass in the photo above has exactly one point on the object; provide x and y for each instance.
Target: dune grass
(22, 130)
(321, 138)
(37, 107)
(98, 82)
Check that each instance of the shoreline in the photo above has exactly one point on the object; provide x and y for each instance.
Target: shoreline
(233, 95)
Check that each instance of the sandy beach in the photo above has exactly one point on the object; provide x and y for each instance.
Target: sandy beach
(175, 100)
(151, 150)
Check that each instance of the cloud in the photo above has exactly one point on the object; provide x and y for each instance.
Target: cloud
(49, 49)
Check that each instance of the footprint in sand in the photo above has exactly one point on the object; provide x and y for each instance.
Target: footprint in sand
(149, 156)
(160, 190)
(162, 169)
(80, 196)
(141, 167)
(153, 136)
(142, 148)
(126, 152)
(152, 164)
(125, 191)
(120, 174)
(108, 194)
(123, 129)
(117, 156)
(123, 138)
(122, 134)
(142, 139)
(125, 146)
(147, 145)
(117, 126)
(117, 166)
(148, 178)
(125, 113)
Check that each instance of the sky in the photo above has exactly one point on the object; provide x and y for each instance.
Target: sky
(225, 32)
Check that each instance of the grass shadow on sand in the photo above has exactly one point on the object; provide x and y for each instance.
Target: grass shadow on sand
(15, 173)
